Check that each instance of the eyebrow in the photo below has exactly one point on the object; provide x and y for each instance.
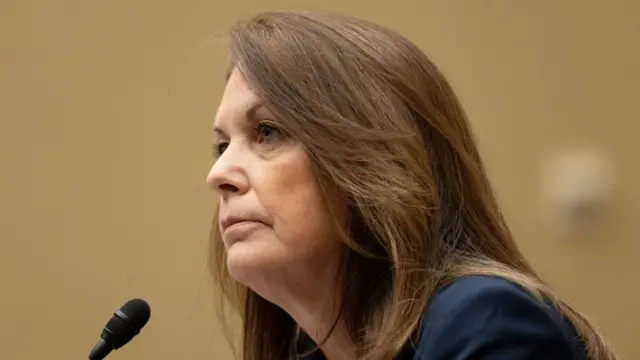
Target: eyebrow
(248, 114)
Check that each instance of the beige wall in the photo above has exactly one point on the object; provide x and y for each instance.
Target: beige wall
(104, 145)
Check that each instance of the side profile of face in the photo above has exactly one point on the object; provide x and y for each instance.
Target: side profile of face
(273, 220)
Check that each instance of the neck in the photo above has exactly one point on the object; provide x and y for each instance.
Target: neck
(314, 304)
(332, 336)
(319, 317)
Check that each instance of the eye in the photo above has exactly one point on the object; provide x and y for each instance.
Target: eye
(268, 133)
(219, 148)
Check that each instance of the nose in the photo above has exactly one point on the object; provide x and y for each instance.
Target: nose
(227, 179)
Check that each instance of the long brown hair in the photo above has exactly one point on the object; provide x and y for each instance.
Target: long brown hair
(386, 132)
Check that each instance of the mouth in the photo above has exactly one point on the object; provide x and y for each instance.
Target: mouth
(231, 223)
(239, 224)
(239, 231)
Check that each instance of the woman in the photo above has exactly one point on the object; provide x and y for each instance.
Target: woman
(355, 218)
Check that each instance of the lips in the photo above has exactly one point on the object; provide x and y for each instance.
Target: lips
(235, 230)
(228, 222)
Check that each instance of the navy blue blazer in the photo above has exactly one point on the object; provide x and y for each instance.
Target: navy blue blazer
(488, 318)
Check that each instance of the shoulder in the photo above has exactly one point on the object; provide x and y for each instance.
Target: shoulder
(483, 292)
(493, 318)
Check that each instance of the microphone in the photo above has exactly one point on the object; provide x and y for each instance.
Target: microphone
(123, 326)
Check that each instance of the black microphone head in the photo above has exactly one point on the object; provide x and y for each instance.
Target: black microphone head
(136, 312)
(126, 323)
(122, 327)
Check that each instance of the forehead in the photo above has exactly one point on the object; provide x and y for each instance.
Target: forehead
(237, 99)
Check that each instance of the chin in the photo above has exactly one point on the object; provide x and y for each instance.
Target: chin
(249, 262)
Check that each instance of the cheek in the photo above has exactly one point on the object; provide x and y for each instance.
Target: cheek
(294, 201)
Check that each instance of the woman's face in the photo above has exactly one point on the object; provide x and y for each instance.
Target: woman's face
(274, 222)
